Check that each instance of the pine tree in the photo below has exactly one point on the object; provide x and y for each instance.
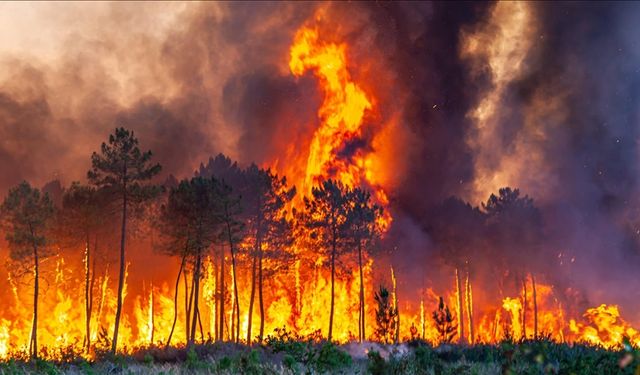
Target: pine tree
(386, 316)
(364, 232)
(80, 222)
(325, 218)
(121, 170)
(26, 214)
(265, 197)
(444, 322)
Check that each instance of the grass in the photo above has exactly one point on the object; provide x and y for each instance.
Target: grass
(284, 353)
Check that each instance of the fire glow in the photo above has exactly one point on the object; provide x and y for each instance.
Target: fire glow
(298, 299)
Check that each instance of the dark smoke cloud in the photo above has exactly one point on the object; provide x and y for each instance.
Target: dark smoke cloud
(182, 89)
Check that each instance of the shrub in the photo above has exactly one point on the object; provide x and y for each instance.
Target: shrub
(376, 365)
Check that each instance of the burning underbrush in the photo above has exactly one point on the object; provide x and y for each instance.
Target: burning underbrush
(296, 261)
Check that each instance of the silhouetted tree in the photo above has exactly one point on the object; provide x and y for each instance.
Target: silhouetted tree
(386, 316)
(228, 211)
(189, 226)
(26, 215)
(80, 221)
(457, 228)
(325, 217)
(444, 322)
(121, 169)
(515, 232)
(265, 197)
(363, 231)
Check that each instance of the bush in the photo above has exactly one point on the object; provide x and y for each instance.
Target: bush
(376, 365)
(330, 358)
(311, 351)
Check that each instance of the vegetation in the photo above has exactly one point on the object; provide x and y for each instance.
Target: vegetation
(386, 316)
(27, 213)
(444, 322)
(285, 353)
(249, 212)
(121, 170)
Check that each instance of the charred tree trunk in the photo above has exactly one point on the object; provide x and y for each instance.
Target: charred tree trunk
(222, 293)
(195, 293)
(459, 307)
(333, 276)
(87, 297)
(33, 343)
(114, 343)
(190, 306)
(469, 297)
(175, 299)
(232, 333)
(92, 284)
(152, 313)
(535, 308)
(261, 294)
(252, 295)
(395, 306)
(524, 308)
(257, 254)
(200, 325)
(236, 323)
(187, 312)
(361, 322)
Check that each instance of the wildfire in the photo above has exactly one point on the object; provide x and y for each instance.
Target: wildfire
(299, 299)
(341, 116)
(604, 326)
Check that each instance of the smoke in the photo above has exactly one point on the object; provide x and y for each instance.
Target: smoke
(174, 73)
(469, 98)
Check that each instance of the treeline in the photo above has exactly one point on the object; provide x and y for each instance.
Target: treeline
(502, 245)
(247, 213)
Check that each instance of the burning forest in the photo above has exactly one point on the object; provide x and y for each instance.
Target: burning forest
(182, 174)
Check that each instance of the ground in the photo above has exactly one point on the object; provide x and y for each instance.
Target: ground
(296, 356)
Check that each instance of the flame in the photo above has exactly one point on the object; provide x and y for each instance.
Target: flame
(341, 116)
(605, 327)
(298, 298)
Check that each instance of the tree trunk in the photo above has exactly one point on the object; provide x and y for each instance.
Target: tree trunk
(260, 295)
(459, 303)
(152, 313)
(395, 306)
(524, 308)
(114, 343)
(333, 275)
(91, 288)
(87, 297)
(535, 309)
(361, 320)
(33, 344)
(175, 299)
(222, 293)
(469, 308)
(196, 293)
(257, 253)
(187, 304)
(236, 323)
(200, 325)
(252, 295)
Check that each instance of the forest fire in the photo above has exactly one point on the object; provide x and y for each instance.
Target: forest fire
(302, 244)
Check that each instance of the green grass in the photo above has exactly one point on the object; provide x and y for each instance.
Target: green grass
(285, 353)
